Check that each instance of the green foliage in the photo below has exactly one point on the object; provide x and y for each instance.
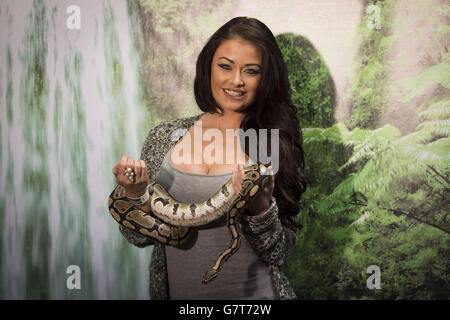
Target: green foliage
(371, 89)
(437, 74)
(407, 231)
(375, 140)
(413, 258)
(438, 126)
(368, 88)
(317, 258)
(385, 204)
(166, 15)
(435, 120)
(437, 111)
(312, 87)
(323, 171)
(170, 16)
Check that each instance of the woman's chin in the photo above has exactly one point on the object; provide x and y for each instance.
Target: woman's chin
(234, 107)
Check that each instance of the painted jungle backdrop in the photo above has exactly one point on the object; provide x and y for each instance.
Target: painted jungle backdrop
(82, 82)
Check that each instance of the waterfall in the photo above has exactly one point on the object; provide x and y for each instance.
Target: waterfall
(70, 107)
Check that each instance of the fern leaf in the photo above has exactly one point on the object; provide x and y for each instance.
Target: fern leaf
(440, 127)
(439, 110)
(418, 137)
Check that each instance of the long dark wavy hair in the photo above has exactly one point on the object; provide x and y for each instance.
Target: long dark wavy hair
(272, 108)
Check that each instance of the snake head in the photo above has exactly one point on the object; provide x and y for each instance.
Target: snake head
(210, 275)
(262, 169)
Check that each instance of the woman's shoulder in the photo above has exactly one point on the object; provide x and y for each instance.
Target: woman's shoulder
(166, 131)
(160, 138)
(179, 123)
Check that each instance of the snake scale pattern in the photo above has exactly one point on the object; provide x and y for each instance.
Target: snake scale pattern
(169, 221)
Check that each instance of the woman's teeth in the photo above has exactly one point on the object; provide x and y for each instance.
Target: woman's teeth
(234, 93)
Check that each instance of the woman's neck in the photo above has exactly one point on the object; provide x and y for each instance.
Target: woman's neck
(227, 120)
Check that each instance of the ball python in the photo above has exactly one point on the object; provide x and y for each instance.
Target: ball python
(169, 221)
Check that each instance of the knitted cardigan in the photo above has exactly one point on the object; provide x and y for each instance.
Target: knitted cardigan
(270, 237)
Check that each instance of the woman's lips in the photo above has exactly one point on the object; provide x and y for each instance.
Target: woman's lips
(234, 94)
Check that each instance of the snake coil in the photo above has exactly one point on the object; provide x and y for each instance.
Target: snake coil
(169, 221)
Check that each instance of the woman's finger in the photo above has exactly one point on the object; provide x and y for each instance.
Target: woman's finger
(130, 164)
(270, 186)
(115, 170)
(137, 171)
(144, 176)
(271, 183)
(233, 181)
(241, 173)
(122, 164)
(120, 170)
(239, 178)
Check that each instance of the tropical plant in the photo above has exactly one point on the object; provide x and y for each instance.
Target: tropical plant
(392, 189)
(312, 87)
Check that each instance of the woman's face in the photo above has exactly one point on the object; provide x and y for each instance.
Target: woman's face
(235, 73)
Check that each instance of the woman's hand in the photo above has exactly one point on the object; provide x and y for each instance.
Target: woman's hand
(132, 189)
(262, 202)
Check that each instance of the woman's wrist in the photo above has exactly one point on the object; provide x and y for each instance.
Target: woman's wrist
(145, 207)
(258, 209)
(135, 194)
(138, 199)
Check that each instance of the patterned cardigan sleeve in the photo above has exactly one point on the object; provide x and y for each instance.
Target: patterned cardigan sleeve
(271, 237)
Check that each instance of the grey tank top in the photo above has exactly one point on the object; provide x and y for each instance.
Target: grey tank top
(243, 276)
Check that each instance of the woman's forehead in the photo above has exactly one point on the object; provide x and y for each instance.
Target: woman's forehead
(239, 51)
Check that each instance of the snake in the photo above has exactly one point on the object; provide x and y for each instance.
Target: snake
(170, 222)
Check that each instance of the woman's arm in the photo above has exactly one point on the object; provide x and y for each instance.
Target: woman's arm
(133, 237)
(271, 239)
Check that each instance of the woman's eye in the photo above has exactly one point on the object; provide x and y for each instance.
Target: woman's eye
(225, 66)
(252, 71)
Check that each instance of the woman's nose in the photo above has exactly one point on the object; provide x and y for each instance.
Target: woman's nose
(237, 79)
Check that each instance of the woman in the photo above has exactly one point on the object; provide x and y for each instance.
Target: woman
(241, 82)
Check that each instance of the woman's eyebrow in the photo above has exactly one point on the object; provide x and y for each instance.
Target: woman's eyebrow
(248, 64)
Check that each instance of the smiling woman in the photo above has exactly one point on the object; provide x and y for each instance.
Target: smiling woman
(241, 83)
(235, 74)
